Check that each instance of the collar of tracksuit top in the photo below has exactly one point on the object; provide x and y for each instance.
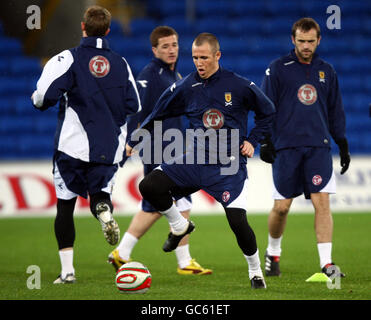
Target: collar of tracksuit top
(95, 42)
(164, 65)
(212, 78)
(314, 61)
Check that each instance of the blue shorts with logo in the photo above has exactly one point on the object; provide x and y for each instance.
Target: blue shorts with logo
(301, 170)
(193, 177)
(74, 177)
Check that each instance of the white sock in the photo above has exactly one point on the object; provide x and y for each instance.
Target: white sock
(274, 246)
(66, 257)
(183, 256)
(254, 265)
(324, 251)
(126, 246)
(177, 222)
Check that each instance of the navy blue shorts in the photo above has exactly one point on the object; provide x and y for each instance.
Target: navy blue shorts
(228, 190)
(183, 203)
(302, 170)
(73, 177)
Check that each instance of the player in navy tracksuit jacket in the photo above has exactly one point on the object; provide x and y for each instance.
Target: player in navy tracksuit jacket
(96, 91)
(306, 93)
(159, 74)
(217, 102)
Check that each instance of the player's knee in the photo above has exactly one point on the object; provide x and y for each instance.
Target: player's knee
(186, 214)
(146, 186)
(155, 183)
(63, 225)
(281, 211)
(244, 234)
(237, 219)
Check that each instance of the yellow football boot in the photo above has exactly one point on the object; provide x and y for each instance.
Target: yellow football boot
(115, 259)
(194, 268)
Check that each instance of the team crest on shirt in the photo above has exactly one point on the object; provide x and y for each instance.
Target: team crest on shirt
(226, 196)
(307, 94)
(99, 66)
(213, 119)
(228, 99)
(317, 180)
(321, 76)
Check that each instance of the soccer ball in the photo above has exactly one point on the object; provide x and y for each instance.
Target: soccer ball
(133, 277)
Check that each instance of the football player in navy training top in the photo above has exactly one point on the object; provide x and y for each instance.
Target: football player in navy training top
(309, 111)
(155, 78)
(96, 90)
(216, 102)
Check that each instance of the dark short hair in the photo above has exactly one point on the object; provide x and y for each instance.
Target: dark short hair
(211, 39)
(97, 21)
(306, 24)
(161, 32)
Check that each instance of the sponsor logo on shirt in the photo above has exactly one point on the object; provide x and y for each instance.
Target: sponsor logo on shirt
(99, 66)
(307, 94)
(213, 119)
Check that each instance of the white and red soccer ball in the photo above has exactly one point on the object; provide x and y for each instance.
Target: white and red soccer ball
(133, 277)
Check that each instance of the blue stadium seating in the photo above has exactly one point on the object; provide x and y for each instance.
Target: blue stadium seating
(116, 28)
(10, 86)
(251, 34)
(180, 24)
(24, 66)
(142, 27)
(215, 9)
(247, 26)
(164, 8)
(22, 106)
(10, 47)
(35, 146)
(210, 24)
(4, 67)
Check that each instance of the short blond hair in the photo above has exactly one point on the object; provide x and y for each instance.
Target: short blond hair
(211, 39)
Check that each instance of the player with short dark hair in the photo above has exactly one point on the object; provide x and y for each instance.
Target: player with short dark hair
(216, 102)
(96, 91)
(97, 21)
(155, 78)
(306, 93)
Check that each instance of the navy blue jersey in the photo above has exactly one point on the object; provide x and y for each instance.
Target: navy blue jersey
(222, 101)
(307, 100)
(152, 81)
(97, 91)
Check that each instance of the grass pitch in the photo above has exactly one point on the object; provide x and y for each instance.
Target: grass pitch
(25, 242)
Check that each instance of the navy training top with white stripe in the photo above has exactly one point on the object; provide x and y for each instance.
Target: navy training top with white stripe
(96, 91)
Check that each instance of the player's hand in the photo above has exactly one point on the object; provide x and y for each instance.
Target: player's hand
(129, 150)
(344, 162)
(344, 155)
(267, 151)
(247, 149)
